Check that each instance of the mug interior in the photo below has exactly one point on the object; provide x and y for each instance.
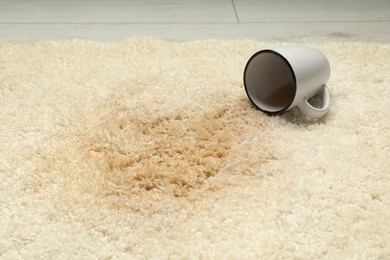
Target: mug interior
(269, 81)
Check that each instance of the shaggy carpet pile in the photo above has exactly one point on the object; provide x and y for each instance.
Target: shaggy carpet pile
(150, 149)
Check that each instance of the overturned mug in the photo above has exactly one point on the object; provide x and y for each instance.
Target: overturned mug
(282, 78)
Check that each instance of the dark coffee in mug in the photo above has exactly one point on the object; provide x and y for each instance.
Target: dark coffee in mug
(280, 96)
(272, 70)
(279, 79)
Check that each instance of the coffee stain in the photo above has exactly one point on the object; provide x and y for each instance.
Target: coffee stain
(172, 154)
(137, 161)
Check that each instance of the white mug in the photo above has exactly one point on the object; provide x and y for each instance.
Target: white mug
(279, 79)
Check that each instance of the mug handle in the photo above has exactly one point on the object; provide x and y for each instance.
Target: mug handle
(312, 112)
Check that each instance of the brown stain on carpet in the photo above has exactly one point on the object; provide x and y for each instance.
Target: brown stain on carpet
(135, 161)
(172, 154)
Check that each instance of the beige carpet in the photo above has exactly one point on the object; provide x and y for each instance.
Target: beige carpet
(150, 149)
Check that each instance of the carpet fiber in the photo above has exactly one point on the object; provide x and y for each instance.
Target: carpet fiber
(151, 149)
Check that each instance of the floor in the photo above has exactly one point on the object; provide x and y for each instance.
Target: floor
(182, 20)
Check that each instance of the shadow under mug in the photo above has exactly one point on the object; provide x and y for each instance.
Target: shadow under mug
(279, 79)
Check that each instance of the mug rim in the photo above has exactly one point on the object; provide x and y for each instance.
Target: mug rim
(271, 113)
